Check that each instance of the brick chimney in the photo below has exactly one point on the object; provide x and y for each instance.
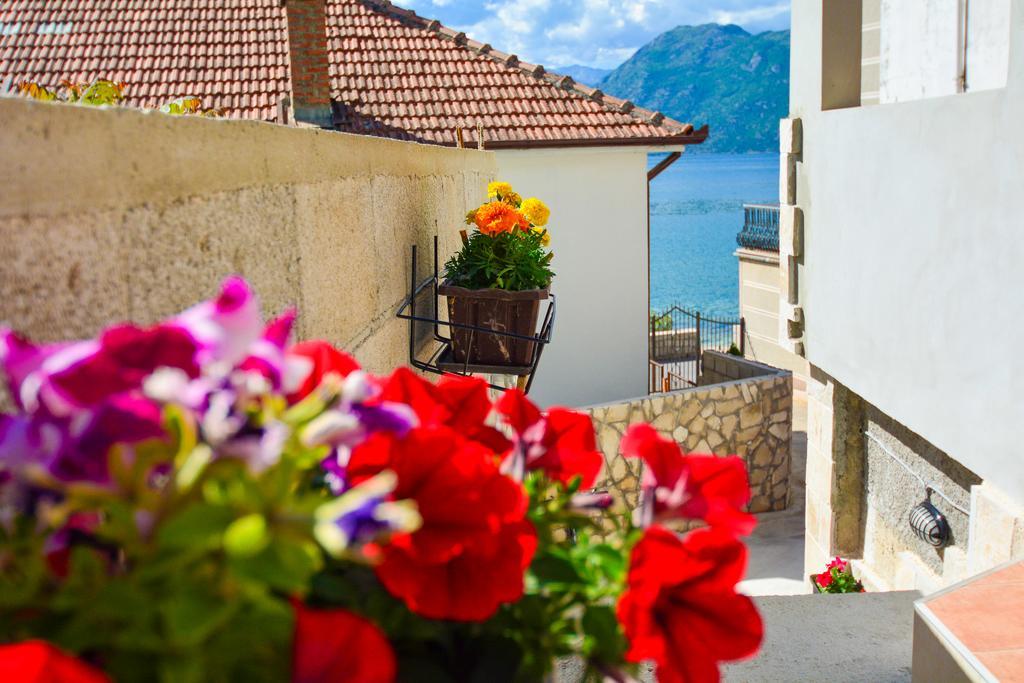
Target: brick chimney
(307, 58)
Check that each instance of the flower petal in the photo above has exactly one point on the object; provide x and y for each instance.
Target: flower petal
(337, 646)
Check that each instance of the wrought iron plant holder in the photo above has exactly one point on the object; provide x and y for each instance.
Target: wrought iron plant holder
(440, 360)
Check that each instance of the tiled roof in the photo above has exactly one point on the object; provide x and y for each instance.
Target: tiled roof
(393, 73)
(233, 54)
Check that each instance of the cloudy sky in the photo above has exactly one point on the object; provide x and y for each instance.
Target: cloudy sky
(601, 33)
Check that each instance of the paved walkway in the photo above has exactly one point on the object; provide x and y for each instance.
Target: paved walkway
(853, 638)
(776, 565)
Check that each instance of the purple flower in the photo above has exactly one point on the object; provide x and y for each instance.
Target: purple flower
(65, 379)
(123, 419)
(363, 514)
(226, 327)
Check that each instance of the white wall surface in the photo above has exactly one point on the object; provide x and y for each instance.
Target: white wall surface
(598, 200)
(913, 277)
(920, 41)
(922, 47)
(988, 44)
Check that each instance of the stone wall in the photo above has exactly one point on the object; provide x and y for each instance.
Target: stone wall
(866, 471)
(750, 418)
(118, 214)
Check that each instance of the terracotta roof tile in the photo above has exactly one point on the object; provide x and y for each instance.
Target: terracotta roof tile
(393, 73)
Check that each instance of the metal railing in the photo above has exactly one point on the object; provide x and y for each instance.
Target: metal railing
(760, 227)
(678, 336)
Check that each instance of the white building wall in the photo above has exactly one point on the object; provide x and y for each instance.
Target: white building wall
(923, 41)
(912, 284)
(598, 200)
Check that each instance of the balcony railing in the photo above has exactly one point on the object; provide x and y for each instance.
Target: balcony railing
(760, 227)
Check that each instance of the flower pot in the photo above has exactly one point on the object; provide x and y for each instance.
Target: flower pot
(814, 584)
(494, 309)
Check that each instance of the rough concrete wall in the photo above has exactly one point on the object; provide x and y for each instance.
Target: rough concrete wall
(110, 215)
(890, 491)
(859, 498)
(750, 418)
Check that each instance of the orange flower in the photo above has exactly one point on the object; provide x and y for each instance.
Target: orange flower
(497, 217)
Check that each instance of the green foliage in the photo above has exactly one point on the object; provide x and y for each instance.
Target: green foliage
(513, 261)
(103, 92)
(843, 580)
(100, 92)
(199, 587)
(720, 75)
(660, 322)
(188, 106)
(734, 350)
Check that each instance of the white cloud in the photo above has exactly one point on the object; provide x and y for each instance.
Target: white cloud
(600, 33)
(753, 15)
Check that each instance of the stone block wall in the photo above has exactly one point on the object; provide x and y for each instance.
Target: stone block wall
(117, 214)
(750, 418)
(759, 305)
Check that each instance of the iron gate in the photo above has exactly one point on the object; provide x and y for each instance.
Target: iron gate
(678, 336)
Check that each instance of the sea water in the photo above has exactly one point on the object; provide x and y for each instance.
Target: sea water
(696, 211)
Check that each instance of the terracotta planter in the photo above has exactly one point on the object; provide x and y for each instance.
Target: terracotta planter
(494, 309)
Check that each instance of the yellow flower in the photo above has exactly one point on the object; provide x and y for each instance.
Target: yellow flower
(471, 217)
(536, 211)
(512, 199)
(545, 236)
(498, 189)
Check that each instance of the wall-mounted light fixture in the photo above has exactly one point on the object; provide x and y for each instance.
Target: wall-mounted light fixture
(928, 523)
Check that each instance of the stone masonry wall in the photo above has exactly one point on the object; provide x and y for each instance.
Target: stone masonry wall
(750, 418)
(117, 214)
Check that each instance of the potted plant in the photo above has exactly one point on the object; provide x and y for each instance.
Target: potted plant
(837, 578)
(202, 500)
(499, 278)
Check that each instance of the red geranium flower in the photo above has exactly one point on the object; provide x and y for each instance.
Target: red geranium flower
(323, 359)
(560, 443)
(462, 403)
(706, 487)
(824, 579)
(336, 646)
(35, 661)
(475, 543)
(838, 563)
(681, 608)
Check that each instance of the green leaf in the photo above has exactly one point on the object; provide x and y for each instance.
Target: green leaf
(604, 635)
(192, 464)
(200, 524)
(246, 536)
(285, 564)
(191, 616)
(551, 568)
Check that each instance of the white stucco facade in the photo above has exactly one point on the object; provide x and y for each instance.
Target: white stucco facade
(911, 279)
(926, 44)
(599, 235)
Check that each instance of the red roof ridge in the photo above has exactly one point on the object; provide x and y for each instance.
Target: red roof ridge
(538, 71)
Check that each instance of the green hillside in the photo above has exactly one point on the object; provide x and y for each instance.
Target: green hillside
(736, 82)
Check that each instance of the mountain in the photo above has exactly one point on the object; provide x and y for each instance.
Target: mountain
(587, 75)
(736, 82)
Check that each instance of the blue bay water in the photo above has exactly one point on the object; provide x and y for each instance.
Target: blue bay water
(696, 211)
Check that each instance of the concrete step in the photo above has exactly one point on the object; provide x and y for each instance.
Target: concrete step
(837, 638)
